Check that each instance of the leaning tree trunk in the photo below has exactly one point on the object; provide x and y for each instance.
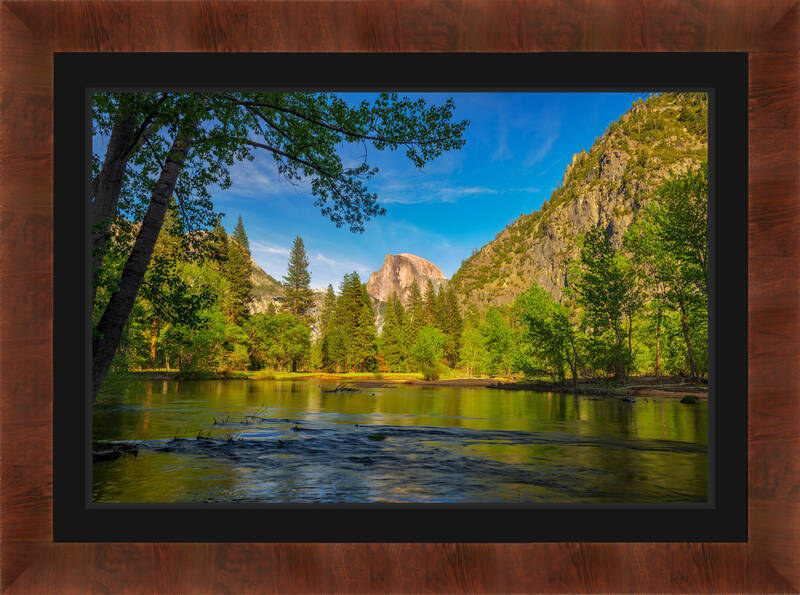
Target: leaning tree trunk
(106, 188)
(118, 310)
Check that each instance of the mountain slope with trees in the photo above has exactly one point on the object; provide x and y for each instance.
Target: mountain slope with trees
(659, 137)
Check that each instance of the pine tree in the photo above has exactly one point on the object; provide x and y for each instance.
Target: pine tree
(238, 273)
(325, 321)
(451, 324)
(431, 305)
(416, 313)
(241, 236)
(393, 336)
(328, 309)
(366, 348)
(298, 293)
(338, 336)
(351, 336)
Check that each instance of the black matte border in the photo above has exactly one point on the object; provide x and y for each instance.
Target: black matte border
(724, 519)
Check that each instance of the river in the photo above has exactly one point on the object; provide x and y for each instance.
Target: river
(396, 443)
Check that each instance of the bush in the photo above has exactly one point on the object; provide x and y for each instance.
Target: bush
(430, 372)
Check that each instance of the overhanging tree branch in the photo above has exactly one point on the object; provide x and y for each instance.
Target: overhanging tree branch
(333, 127)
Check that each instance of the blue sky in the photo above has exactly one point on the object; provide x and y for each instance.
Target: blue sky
(517, 148)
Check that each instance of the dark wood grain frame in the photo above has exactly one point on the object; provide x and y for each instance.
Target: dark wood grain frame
(29, 35)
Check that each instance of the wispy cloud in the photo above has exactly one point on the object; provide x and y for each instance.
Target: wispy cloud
(328, 269)
(256, 178)
(429, 192)
(433, 192)
(268, 248)
(540, 150)
(502, 150)
(260, 179)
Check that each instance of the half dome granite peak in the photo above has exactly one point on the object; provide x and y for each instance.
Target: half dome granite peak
(398, 274)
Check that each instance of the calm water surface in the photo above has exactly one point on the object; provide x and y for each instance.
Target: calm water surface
(396, 443)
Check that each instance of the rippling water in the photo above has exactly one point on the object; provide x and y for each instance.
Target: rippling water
(398, 443)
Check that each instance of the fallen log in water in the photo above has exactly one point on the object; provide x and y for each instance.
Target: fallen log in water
(342, 388)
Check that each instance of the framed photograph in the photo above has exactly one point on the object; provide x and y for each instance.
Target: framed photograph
(564, 369)
(405, 297)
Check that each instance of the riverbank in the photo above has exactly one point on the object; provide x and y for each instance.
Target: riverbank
(641, 386)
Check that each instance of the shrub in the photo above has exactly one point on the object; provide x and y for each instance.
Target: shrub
(430, 372)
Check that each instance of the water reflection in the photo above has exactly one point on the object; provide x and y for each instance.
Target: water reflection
(396, 444)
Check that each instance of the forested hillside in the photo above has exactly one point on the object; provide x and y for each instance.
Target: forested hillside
(659, 137)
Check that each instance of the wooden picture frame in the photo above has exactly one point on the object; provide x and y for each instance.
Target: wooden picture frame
(29, 35)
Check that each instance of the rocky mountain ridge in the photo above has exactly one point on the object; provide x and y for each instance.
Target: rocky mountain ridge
(266, 289)
(661, 136)
(398, 273)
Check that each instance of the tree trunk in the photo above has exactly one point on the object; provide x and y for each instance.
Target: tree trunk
(573, 364)
(689, 350)
(106, 188)
(119, 307)
(629, 363)
(658, 343)
(153, 339)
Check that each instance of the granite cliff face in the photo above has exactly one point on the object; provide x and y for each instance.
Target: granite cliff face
(608, 185)
(397, 275)
(266, 289)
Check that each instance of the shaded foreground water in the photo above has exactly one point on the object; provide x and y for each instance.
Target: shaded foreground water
(399, 443)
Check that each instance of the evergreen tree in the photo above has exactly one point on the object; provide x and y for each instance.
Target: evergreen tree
(218, 243)
(366, 347)
(238, 272)
(328, 309)
(416, 312)
(432, 310)
(326, 319)
(241, 236)
(393, 336)
(351, 336)
(298, 293)
(451, 324)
